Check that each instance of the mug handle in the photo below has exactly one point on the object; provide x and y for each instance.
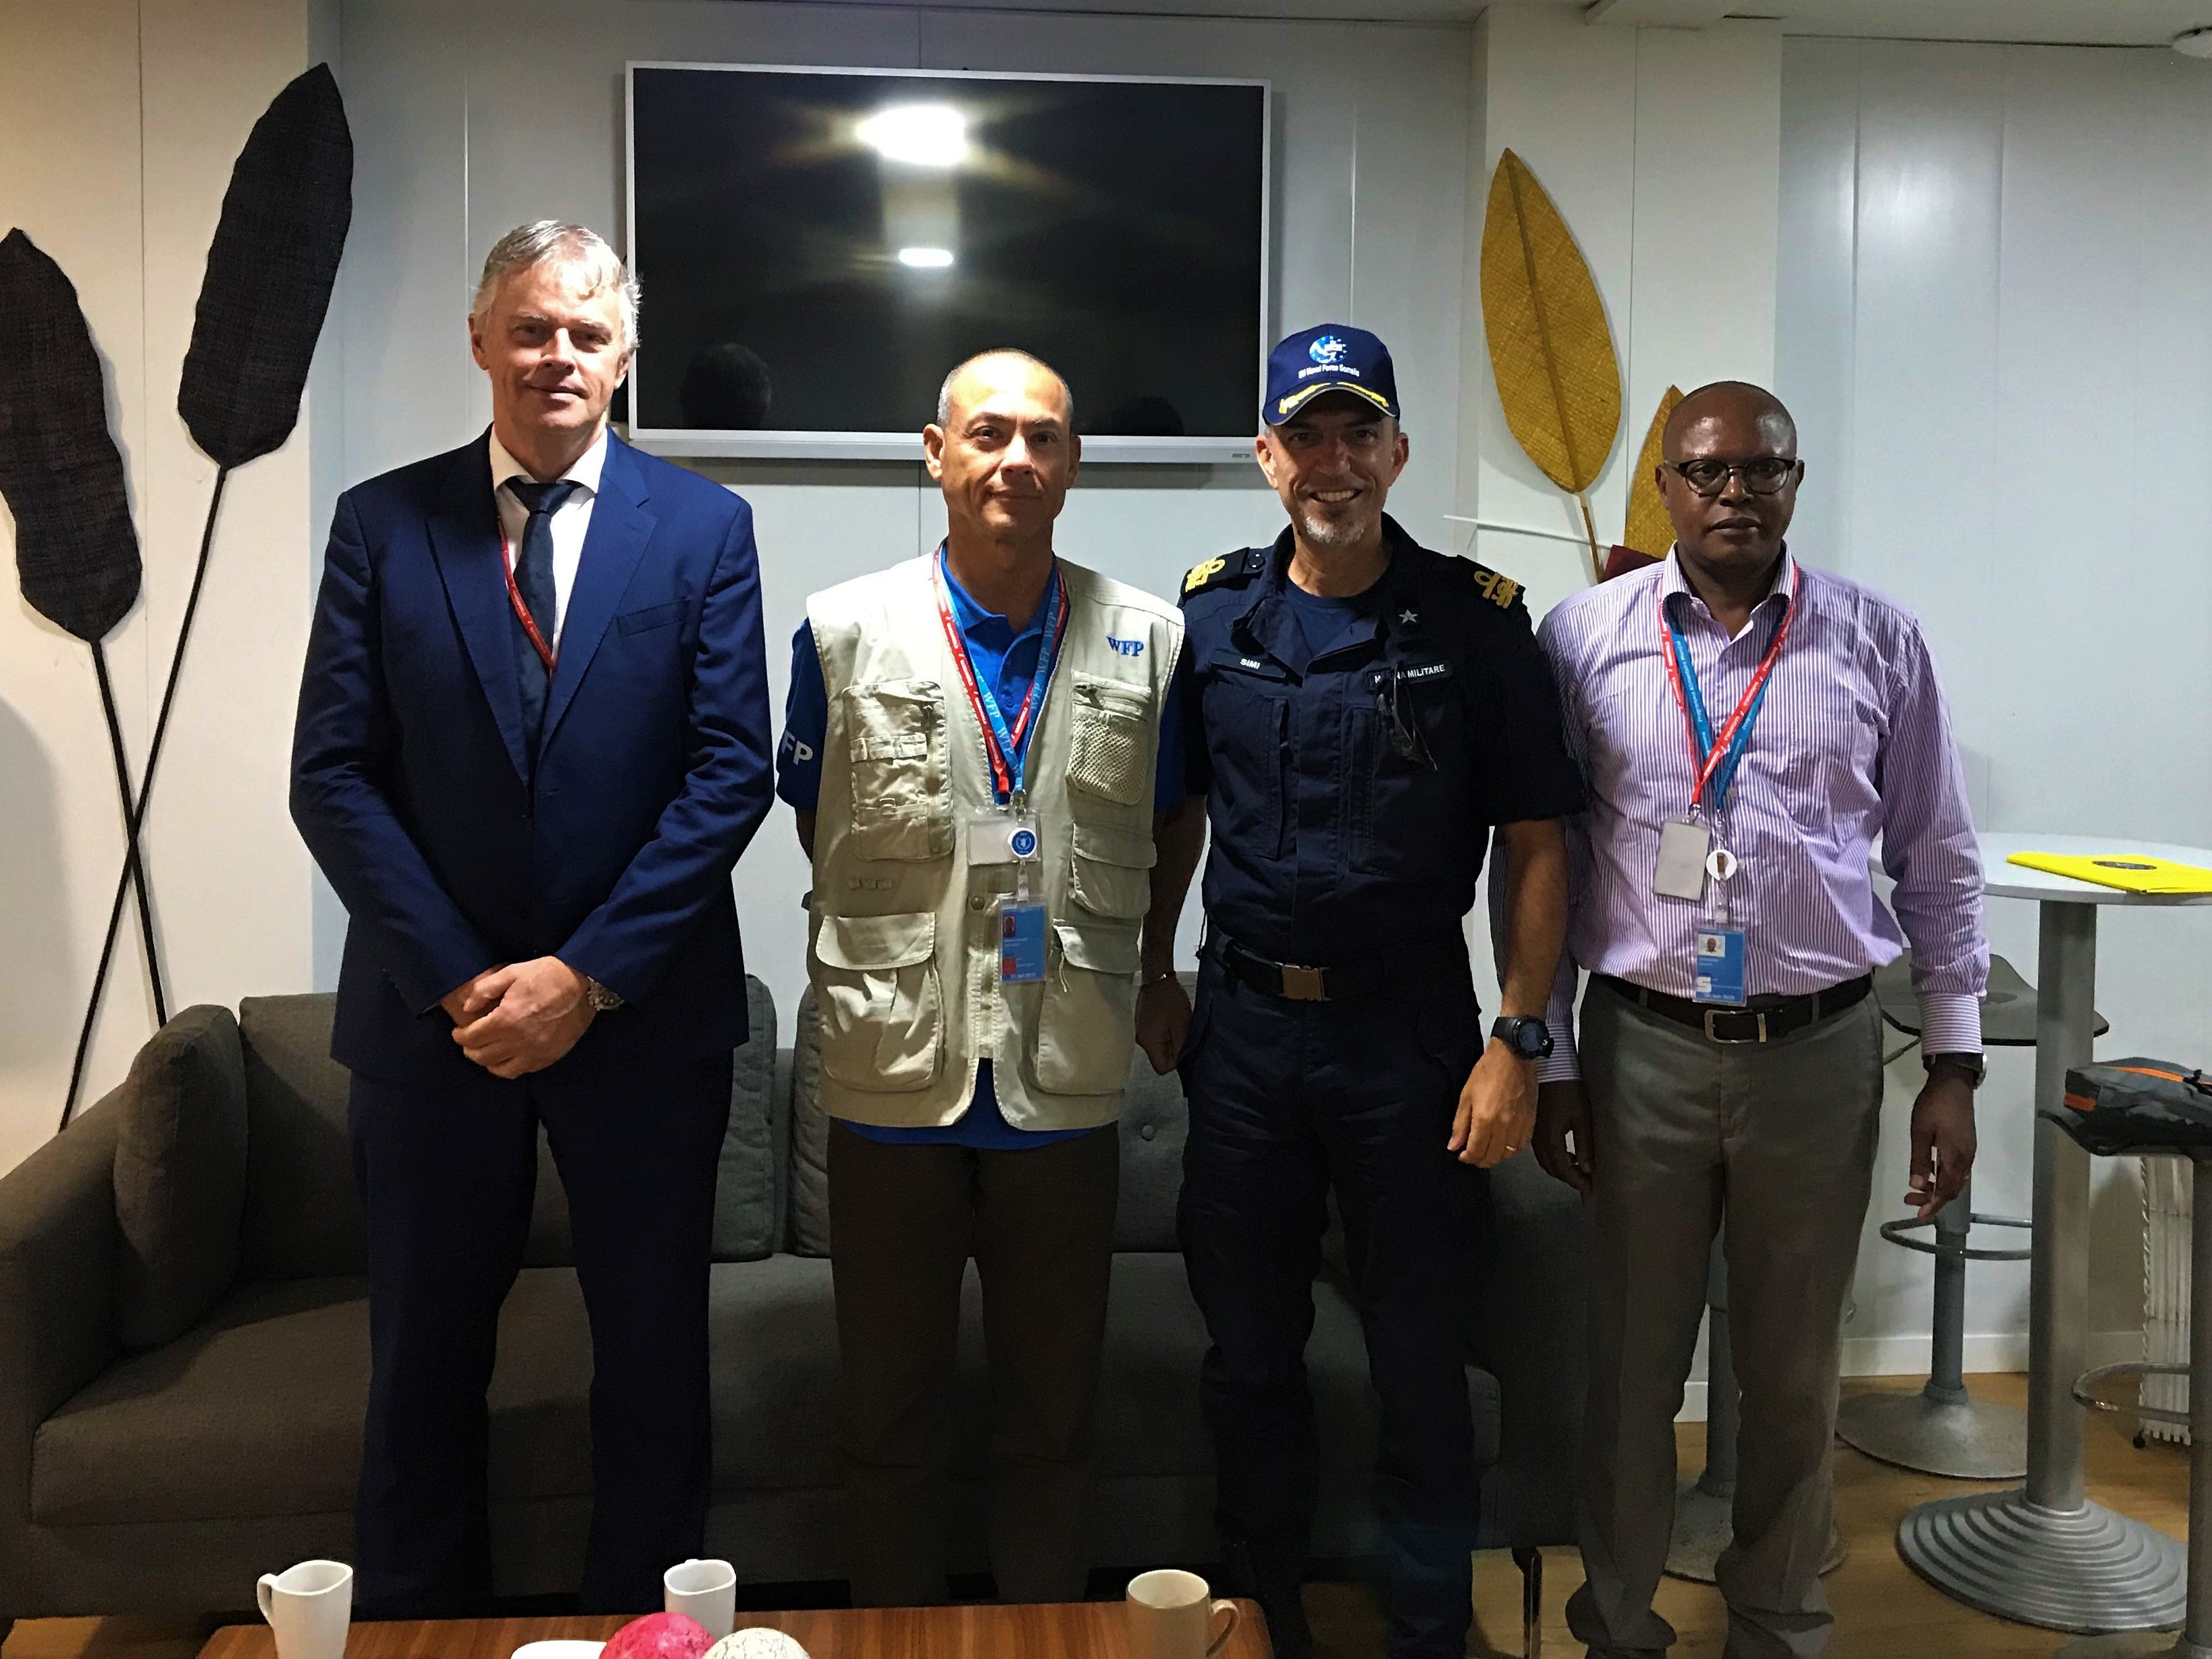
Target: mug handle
(1227, 1630)
(265, 1591)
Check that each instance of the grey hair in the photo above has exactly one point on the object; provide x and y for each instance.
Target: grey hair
(944, 392)
(578, 246)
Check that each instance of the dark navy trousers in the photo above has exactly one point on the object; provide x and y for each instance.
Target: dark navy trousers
(1288, 1099)
(446, 1175)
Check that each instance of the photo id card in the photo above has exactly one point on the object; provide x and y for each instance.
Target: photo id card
(1021, 943)
(1002, 838)
(1683, 843)
(1719, 966)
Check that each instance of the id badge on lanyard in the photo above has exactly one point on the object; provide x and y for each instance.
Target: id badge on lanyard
(1009, 834)
(1695, 860)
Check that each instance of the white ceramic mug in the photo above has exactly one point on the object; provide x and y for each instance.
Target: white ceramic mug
(703, 1591)
(1171, 1615)
(309, 1607)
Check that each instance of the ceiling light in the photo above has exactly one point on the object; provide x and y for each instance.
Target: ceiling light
(925, 258)
(920, 135)
(2194, 42)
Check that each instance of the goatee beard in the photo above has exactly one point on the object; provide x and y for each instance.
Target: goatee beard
(1322, 532)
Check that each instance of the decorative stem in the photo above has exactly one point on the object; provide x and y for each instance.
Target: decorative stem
(137, 817)
(1589, 529)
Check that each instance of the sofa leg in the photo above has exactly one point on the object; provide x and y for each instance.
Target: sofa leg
(1530, 1560)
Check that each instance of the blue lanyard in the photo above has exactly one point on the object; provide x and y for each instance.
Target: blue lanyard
(1747, 716)
(1010, 756)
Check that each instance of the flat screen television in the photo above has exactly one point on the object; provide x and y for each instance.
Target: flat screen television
(817, 247)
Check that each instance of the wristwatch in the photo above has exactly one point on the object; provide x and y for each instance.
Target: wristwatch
(602, 999)
(1526, 1035)
(1973, 1067)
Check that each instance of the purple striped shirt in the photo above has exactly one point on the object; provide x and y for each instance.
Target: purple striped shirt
(1853, 741)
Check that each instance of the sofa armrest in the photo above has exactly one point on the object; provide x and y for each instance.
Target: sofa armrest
(1527, 1332)
(57, 1250)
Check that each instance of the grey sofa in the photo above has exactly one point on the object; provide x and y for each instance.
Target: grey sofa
(184, 1345)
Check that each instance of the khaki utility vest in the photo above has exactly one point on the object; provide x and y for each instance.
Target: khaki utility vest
(902, 933)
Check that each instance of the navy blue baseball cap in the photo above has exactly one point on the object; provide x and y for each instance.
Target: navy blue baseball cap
(1334, 358)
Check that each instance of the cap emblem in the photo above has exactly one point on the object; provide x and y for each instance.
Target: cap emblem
(1328, 350)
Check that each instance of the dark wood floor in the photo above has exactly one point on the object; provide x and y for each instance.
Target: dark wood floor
(1882, 1609)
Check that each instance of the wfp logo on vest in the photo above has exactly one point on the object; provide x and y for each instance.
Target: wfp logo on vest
(1127, 648)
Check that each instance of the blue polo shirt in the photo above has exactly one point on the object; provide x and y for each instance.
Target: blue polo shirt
(1005, 659)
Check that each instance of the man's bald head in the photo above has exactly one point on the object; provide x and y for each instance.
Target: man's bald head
(1732, 403)
(989, 369)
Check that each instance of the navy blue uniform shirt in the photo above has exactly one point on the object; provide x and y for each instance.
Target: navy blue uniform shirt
(1354, 773)
(1004, 658)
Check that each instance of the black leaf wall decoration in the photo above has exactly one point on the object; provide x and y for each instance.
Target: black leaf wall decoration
(271, 270)
(76, 551)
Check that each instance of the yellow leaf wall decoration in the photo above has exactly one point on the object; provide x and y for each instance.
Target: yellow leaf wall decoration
(1649, 530)
(1550, 346)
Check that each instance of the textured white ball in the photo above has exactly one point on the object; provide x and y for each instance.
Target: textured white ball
(757, 1645)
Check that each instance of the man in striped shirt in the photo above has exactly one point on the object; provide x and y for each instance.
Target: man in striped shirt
(1746, 728)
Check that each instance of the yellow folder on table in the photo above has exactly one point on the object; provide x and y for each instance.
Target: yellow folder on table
(2132, 873)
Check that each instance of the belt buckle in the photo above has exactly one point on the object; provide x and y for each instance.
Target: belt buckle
(1302, 984)
(1714, 1036)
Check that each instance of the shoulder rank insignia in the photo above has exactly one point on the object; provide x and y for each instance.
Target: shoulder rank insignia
(1500, 591)
(1230, 567)
(1200, 574)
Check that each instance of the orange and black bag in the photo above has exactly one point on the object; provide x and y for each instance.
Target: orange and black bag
(2138, 1105)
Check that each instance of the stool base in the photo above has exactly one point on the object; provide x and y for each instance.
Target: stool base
(1703, 1527)
(2086, 1570)
(1969, 1440)
(2135, 1644)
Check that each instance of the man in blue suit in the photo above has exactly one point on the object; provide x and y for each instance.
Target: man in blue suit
(533, 738)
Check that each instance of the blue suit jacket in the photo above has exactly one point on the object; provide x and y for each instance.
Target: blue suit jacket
(413, 789)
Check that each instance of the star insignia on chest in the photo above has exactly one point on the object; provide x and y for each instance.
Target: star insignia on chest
(1409, 618)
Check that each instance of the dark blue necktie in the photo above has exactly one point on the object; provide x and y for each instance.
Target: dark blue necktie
(533, 579)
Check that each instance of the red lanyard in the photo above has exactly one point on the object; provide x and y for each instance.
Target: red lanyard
(546, 654)
(1712, 751)
(1000, 748)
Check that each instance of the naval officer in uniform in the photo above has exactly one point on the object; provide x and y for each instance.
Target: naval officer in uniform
(1363, 712)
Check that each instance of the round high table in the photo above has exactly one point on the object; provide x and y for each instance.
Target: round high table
(2043, 1554)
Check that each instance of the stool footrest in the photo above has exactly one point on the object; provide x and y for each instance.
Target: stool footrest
(2085, 1390)
(1896, 1231)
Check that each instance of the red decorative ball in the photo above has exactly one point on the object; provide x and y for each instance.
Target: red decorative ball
(660, 1636)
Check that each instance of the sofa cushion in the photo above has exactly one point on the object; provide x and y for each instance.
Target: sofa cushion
(302, 1216)
(179, 1177)
(259, 1411)
(745, 1189)
(810, 1135)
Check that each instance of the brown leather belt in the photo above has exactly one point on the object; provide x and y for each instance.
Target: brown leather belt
(1766, 1019)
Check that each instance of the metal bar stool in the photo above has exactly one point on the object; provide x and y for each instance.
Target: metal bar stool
(2195, 1641)
(1941, 1429)
(1703, 1507)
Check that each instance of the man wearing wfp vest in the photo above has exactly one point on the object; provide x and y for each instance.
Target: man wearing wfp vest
(975, 745)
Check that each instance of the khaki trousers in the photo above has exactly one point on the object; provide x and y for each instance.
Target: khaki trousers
(903, 1222)
(1779, 1137)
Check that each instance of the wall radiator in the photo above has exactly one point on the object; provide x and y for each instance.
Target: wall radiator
(2166, 1182)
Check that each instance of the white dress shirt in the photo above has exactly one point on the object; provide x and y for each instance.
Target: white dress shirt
(571, 519)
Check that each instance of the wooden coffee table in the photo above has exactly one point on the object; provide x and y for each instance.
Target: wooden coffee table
(1068, 1630)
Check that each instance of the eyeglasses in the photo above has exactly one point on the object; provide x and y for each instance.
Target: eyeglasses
(1762, 474)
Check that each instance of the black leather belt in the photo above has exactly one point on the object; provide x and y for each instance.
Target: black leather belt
(1766, 1019)
(1340, 982)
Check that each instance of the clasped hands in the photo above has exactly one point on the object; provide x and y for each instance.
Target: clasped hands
(520, 1017)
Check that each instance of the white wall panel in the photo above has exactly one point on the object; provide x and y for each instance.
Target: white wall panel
(1996, 302)
(120, 119)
